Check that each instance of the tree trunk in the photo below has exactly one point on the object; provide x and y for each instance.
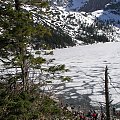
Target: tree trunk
(24, 69)
(107, 95)
(17, 5)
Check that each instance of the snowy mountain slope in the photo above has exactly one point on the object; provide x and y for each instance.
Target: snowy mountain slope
(82, 5)
(74, 23)
(78, 24)
(68, 4)
(112, 19)
(97, 26)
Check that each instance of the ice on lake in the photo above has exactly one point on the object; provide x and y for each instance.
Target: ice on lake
(87, 65)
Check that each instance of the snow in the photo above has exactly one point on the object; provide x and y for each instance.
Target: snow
(87, 65)
(70, 21)
(27, 7)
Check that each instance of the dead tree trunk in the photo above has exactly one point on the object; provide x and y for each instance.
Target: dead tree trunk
(107, 95)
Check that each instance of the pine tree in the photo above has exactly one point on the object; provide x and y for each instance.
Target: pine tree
(21, 65)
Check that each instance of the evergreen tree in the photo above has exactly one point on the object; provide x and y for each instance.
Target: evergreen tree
(21, 65)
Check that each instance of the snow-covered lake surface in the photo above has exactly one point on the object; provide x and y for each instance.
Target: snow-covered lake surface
(87, 66)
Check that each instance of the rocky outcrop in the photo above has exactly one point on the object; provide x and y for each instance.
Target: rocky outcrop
(93, 5)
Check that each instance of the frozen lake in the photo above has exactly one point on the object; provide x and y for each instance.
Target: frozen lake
(87, 65)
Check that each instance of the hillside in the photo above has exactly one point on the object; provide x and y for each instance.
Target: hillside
(74, 22)
(86, 25)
